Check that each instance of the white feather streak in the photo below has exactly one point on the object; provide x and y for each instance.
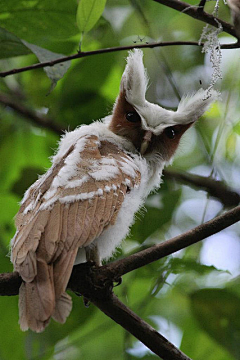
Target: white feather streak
(105, 172)
(77, 182)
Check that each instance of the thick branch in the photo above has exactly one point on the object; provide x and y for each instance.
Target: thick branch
(96, 285)
(214, 188)
(100, 293)
(122, 315)
(116, 269)
(10, 284)
(194, 12)
(111, 50)
(33, 116)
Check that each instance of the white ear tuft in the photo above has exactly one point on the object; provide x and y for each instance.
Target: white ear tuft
(134, 79)
(193, 107)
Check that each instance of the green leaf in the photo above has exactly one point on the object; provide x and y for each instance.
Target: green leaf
(88, 13)
(236, 128)
(27, 177)
(79, 340)
(218, 313)
(11, 45)
(55, 72)
(14, 338)
(199, 346)
(231, 143)
(87, 100)
(234, 285)
(178, 265)
(8, 210)
(40, 22)
(15, 158)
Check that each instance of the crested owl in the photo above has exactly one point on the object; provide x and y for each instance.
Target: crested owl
(83, 206)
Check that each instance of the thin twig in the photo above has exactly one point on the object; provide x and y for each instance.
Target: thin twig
(110, 50)
(199, 15)
(82, 54)
(33, 116)
(201, 5)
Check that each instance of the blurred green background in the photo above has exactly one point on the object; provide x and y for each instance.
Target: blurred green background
(192, 297)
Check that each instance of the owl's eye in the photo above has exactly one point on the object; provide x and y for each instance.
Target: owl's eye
(133, 116)
(170, 132)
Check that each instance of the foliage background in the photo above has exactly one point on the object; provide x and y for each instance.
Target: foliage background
(192, 297)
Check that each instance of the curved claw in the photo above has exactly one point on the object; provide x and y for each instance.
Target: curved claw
(118, 282)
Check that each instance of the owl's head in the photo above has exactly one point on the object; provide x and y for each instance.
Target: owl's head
(151, 128)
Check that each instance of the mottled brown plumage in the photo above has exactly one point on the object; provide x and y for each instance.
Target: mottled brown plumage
(46, 243)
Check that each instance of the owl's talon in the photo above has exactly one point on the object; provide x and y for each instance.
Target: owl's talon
(118, 282)
(86, 302)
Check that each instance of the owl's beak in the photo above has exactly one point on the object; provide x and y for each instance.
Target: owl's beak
(146, 140)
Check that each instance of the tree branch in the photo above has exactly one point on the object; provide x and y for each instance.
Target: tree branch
(121, 267)
(111, 50)
(82, 54)
(33, 116)
(113, 271)
(96, 283)
(196, 13)
(122, 315)
(215, 188)
(10, 284)
(201, 5)
(100, 294)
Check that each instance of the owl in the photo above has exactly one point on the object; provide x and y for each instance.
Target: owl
(84, 205)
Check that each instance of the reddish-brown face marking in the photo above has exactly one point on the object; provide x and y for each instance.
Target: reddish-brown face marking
(167, 142)
(123, 126)
(125, 122)
(172, 137)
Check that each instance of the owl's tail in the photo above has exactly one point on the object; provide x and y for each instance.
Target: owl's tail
(45, 296)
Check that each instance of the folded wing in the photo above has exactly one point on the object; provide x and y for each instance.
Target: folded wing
(66, 209)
